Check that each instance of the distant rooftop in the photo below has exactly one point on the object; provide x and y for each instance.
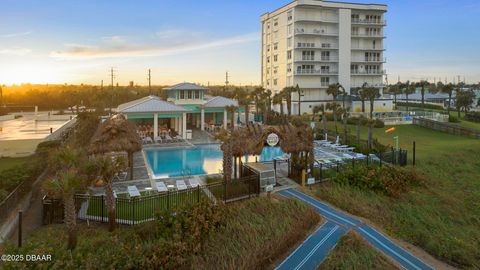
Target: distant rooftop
(186, 86)
(149, 104)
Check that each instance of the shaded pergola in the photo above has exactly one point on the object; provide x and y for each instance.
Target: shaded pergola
(250, 140)
(116, 134)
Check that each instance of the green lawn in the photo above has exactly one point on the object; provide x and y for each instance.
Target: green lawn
(443, 217)
(144, 207)
(9, 162)
(352, 252)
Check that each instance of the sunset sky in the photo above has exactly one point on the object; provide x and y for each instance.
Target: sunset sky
(78, 41)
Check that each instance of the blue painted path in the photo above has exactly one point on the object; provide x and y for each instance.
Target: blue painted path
(314, 249)
(346, 222)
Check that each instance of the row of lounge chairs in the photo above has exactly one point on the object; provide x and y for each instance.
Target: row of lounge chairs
(162, 187)
(160, 140)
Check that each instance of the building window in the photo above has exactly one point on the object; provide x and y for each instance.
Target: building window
(289, 55)
(274, 81)
(289, 68)
(326, 56)
(268, 48)
(289, 42)
(275, 46)
(324, 81)
(275, 70)
(289, 16)
(308, 55)
(268, 59)
(190, 94)
(275, 58)
(182, 95)
(275, 22)
(197, 94)
(275, 34)
(289, 29)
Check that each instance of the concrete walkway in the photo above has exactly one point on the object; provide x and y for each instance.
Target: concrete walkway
(345, 222)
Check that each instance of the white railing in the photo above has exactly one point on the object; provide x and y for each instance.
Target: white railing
(320, 32)
(368, 72)
(364, 21)
(370, 60)
(315, 71)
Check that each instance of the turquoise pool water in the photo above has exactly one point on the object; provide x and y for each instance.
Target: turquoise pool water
(201, 159)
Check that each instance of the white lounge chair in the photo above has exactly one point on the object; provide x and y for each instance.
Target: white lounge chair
(158, 139)
(133, 191)
(168, 138)
(181, 185)
(147, 140)
(178, 138)
(161, 187)
(194, 182)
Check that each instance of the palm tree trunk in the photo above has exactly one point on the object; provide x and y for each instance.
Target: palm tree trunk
(335, 121)
(406, 96)
(70, 220)
(423, 97)
(246, 115)
(395, 97)
(130, 164)
(358, 132)
(363, 106)
(369, 137)
(227, 165)
(110, 202)
(372, 102)
(234, 167)
(281, 108)
(345, 130)
(324, 120)
(449, 102)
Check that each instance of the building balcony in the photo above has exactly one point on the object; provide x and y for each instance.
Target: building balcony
(376, 85)
(317, 59)
(369, 60)
(368, 72)
(315, 32)
(369, 22)
(315, 20)
(323, 46)
(315, 72)
(358, 35)
(357, 48)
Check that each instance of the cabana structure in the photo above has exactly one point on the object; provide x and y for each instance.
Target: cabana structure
(187, 107)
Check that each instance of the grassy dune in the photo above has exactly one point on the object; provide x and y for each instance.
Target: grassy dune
(444, 216)
(253, 234)
(352, 252)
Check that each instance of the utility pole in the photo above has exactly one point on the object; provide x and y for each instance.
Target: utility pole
(101, 85)
(112, 75)
(149, 83)
(458, 81)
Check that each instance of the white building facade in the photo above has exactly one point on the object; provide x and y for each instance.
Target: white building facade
(316, 43)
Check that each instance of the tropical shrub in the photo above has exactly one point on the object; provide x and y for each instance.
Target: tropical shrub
(453, 119)
(364, 121)
(473, 116)
(419, 105)
(389, 180)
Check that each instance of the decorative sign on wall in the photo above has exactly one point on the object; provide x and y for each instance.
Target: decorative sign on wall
(272, 139)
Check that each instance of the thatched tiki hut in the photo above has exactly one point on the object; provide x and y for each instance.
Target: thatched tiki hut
(116, 134)
(296, 140)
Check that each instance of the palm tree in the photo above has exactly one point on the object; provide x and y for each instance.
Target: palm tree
(409, 89)
(334, 90)
(107, 166)
(287, 93)
(321, 108)
(64, 185)
(244, 99)
(231, 109)
(362, 95)
(371, 93)
(226, 148)
(345, 115)
(448, 89)
(278, 100)
(299, 93)
(66, 162)
(334, 108)
(266, 101)
(395, 90)
(423, 84)
(256, 95)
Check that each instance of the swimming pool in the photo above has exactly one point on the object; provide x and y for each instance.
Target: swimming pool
(197, 160)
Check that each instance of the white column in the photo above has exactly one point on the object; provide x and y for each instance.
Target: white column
(155, 125)
(184, 126)
(225, 118)
(202, 119)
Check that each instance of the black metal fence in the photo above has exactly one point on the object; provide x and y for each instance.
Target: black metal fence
(135, 210)
(325, 171)
(447, 127)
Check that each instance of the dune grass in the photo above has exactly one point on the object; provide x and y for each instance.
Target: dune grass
(250, 234)
(10, 162)
(444, 216)
(352, 252)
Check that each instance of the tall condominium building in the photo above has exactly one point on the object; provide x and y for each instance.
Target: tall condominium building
(316, 43)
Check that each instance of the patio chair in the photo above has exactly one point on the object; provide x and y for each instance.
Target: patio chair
(178, 138)
(347, 156)
(359, 155)
(181, 185)
(168, 138)
(161, 187)
(158, 139)
(133, 191)
(120, 176)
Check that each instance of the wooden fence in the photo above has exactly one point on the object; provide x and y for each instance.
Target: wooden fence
(447, 127)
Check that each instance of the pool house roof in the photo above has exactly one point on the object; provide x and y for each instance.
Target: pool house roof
(185, 86)
(220, 102)
(149, 104)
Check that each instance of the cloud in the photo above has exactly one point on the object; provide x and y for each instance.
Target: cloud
(16, 51)
(15, 34)
(162, 49)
